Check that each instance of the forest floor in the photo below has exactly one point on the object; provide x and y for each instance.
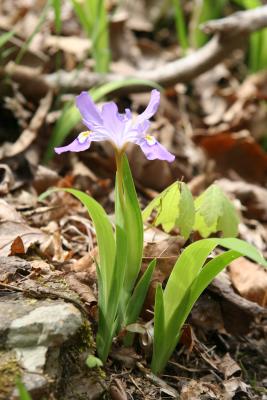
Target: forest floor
(215, 125)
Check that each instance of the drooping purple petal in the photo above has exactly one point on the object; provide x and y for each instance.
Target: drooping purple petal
(90, 113)
(74, 146)
(152, 107)
(155, 151)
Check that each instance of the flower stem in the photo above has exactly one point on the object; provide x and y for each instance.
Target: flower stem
(119, 174)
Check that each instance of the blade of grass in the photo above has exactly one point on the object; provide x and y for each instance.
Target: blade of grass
(93, 18)
(180, 25)
(57, 11)
(4, 38)
(23, 393)
(204, 10)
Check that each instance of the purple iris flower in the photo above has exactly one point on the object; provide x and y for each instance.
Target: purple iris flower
(119, 129)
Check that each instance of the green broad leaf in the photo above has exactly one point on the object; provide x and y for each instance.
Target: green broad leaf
(168, 208)
(116, 306)
(105, 240)
(184, 272)
(23, 392)
(187, 281)
(174, 208)
(93, 362)
(159, 330)
(137, 299)
(104, 234)
(134, 228)
(186, 217)
(204, 278)
(70, 115)
(215, 212)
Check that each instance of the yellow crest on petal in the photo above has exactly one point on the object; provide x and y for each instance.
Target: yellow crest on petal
(83, 136)
(150, 140)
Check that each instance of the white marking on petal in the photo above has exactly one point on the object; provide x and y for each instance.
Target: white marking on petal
(83, 136)
(150, 140)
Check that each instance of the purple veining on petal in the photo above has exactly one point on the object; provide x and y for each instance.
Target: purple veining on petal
(109, 124)
(155, 151)
(74, 146)
(90, 113)
(112, 121)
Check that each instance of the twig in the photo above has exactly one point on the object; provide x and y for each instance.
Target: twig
(44, 292)
(157, 381)
(230, 33)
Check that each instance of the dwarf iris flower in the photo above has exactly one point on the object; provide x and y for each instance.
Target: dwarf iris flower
(119, 129)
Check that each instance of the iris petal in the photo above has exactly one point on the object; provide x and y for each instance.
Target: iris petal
(112, 119)
(119, 129)
(74, 146)
(155, 151)
(90, 113)
(152, 107)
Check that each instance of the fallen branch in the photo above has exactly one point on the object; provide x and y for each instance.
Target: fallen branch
(230, 33)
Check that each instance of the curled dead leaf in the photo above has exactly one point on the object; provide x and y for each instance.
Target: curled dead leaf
(250, 280)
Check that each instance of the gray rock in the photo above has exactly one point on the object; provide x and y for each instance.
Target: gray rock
(37, 385)
(32, 359)
(10, 309)
(49, 325)
(39, 342)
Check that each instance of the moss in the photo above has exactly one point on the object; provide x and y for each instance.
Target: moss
(9, 371)
(86, 337)
(74, 369)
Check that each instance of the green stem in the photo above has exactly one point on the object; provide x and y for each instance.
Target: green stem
(119, 174)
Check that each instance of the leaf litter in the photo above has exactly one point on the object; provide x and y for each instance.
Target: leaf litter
(216, 134)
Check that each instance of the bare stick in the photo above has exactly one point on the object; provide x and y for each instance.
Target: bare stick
(230, 33)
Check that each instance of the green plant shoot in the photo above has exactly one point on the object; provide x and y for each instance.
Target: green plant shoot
(121, 292)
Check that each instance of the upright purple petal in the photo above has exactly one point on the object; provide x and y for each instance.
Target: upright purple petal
(74, 146)
(113, 121)
(90, 113)
(152, 107)
(155, 151)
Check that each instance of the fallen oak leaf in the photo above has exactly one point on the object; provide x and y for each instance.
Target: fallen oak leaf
(233, 151)
(84, 291)
(250, 280)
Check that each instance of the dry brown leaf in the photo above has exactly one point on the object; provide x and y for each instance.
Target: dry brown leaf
(195, 390)
(84, 291)
(187, 337)
(250, 280)
(238, 153)
(17, 247)
(166, 249)
(10, 230)
(253, 197)
(228, 366)
(30, 133)
(206, 314)
(12, 267)
(7, 179)
(77, 46)
(117, 391)
(13, 225)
